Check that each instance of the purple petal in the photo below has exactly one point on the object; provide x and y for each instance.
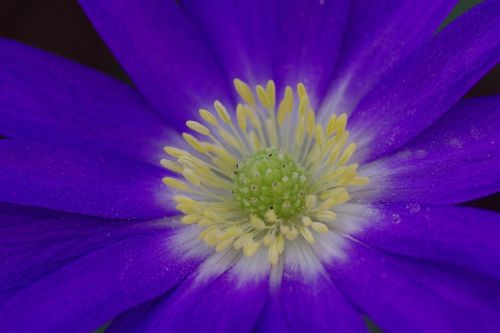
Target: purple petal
(465, 237)
(135, 319)
(163, 53)
(428, 83)
(272, 319)
(45, 97)
(306, 43)
(98, 286)
(211, 304)
(288, 41)
(399, 301)
(36, 242)
(317, 306)
(455, 160)
(476, 297)
(243, 40)
(81, 181)
(379, 34)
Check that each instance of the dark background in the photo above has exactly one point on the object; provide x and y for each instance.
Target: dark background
(60, 26)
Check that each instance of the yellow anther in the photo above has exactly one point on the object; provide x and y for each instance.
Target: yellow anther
(319, 227)
(171, 165)
(222, 112)
(310, 201)
(285, 106)
(187, 162)
(284, 229)
(244, 91)
(250, 247)
(183, 199)
(346, 155)
(193, 142)
(175, 183)
(261, 95)
(208, 117)
(191, 176)
(231, 233)
(341, 123)
(240, 241)
(257, 223)
(292, 234)
(271, 94)
(301, 90)
(175, 152)
(187, 209)
(241, 117)
(308, 236)
(268, 239)
(190, 219)
(359, 181)
(306, 221)
(339, 144)
(326, 216)
(303, 105)
(346, 177)
(340, 199)
(271, 216)
(197, 127)
(330, 127)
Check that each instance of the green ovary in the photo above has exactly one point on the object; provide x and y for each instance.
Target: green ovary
(271, 180)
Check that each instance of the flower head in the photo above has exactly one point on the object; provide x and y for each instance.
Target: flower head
(275, 166)
(269, 176)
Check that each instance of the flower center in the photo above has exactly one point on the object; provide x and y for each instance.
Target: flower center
(271, 177)
(270, 180)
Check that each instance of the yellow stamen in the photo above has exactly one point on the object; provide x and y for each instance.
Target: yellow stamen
(208, 117)
(171, 165)
(174, 183)
(197, 127)
(223, 114)
(245, 92)
(304, 160)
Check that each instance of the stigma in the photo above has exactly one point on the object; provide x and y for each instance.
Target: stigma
(262, 175)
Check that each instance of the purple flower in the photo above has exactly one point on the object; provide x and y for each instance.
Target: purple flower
(326, 149)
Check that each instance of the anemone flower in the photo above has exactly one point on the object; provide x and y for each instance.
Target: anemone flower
(276, 166)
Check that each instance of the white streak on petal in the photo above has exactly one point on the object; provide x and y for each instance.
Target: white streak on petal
(217, 264)
(243, 269)
(336, 101)
(185, 242)
(301, 260)
(252, 269)
(353, 218)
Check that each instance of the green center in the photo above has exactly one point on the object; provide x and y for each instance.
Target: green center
(270, 179)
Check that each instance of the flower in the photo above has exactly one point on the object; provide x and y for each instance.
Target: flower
(324, 149)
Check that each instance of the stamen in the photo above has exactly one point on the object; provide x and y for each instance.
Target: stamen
(273, 176)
